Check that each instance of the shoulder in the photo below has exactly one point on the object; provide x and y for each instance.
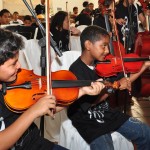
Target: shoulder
(20, 21)
(119, 4)
(76, 66)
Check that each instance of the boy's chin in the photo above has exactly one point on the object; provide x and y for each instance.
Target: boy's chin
(12, 79)
(102, 59)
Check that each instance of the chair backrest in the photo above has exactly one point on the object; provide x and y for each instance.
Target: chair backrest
(81, 27)
(64, 62)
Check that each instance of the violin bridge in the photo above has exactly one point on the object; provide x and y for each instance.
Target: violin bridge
(40, 83)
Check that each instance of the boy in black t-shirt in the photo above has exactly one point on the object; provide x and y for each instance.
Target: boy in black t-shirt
(91, 115)
(16, 130)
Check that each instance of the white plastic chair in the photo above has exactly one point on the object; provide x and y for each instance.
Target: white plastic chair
(82, 27)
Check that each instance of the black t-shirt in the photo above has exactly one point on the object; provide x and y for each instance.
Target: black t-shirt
(61, 38)
(83, 19)
(31, 139)
(97, 12)
(99, 20)
(122, 11)
(40, 9)
(92, 122)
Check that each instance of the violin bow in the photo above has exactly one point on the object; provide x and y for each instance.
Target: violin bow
(48, 54)
(120, 53)
(69, 25)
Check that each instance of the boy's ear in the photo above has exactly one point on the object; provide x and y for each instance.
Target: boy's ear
(87, 44)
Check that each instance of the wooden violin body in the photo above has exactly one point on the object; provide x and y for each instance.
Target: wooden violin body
(29, 87)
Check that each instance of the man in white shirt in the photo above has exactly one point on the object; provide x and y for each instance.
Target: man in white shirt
(15, 19)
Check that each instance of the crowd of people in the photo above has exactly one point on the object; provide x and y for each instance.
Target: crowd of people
(91, 114)
(6, 18)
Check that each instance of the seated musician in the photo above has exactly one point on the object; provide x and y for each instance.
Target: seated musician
(5, 17)
(61, 31)
(27, 20)
(91, 115)
(17, 131)
(99, 19)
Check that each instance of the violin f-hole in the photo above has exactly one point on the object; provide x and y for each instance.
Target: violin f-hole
(37, 96)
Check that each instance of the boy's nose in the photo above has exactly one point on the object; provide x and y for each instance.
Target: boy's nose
(107, 50)
(18, 65)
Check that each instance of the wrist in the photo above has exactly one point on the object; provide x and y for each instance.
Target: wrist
(81, 92)
(31, 114)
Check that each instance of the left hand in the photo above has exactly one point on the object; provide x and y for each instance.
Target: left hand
(94, 89)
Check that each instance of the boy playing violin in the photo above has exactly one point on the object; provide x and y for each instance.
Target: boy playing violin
(92, 115)
(18, 130)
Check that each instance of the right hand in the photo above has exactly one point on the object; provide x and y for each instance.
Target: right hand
(125, 83)
(44, 106)
(120, 21)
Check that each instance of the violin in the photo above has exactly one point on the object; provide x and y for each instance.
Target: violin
(113, 65)
(28, 88)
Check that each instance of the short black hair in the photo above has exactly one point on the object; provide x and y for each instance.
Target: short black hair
(10, 44)
(3, 11)
(85, 3)
(15, 12)
(74, 8)
(91, 4)
(92, 33)
(27, 17)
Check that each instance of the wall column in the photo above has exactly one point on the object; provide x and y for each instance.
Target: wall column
(1, 4)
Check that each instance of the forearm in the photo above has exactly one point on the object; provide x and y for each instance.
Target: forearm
(134, 76)
(142, 19)
(10, 135)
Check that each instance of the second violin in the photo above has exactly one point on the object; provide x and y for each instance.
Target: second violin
(113, 65)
